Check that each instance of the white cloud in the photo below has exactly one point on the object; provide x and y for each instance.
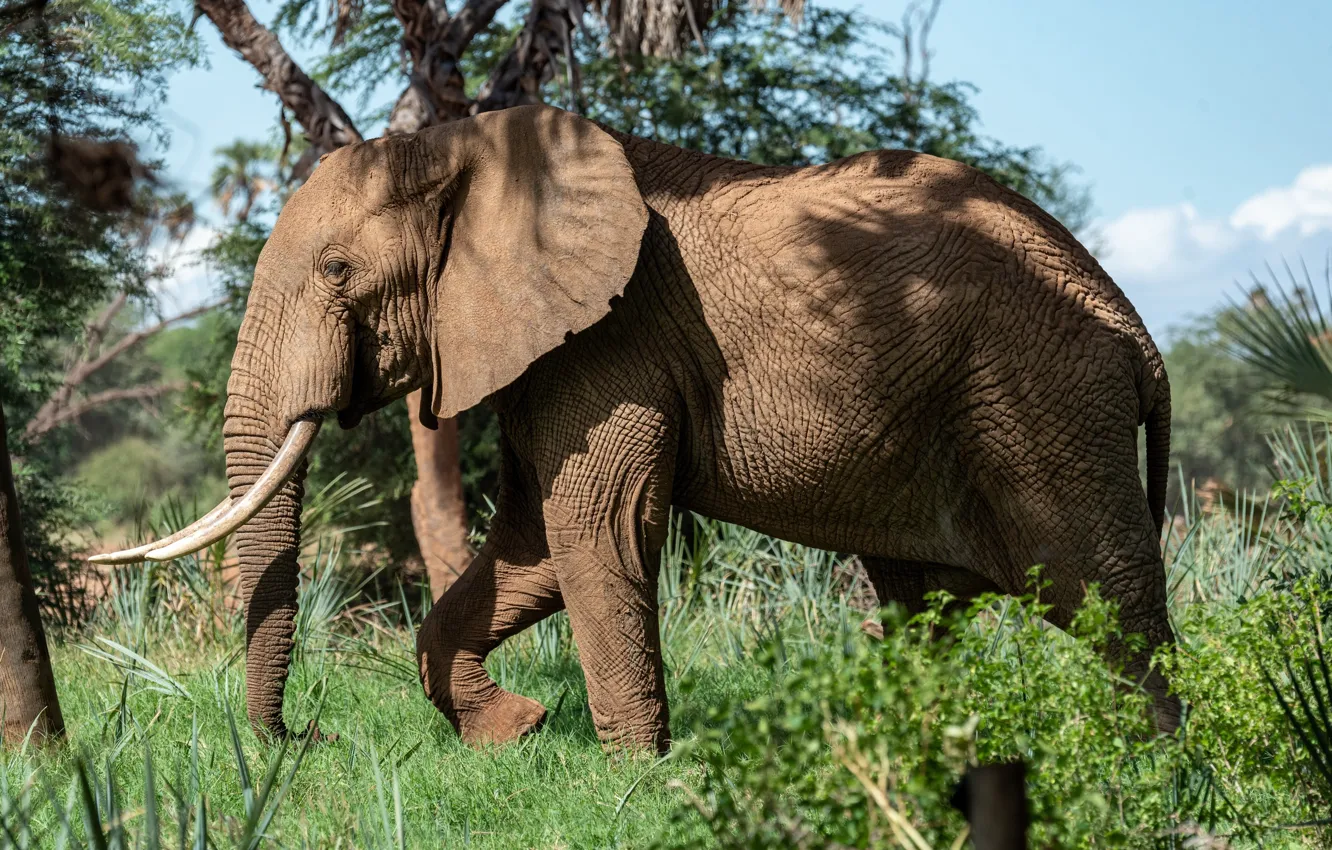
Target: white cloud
(1153, 241)
(1305, 206)
(1173, 262)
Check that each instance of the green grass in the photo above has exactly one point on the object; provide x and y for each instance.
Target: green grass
(787, 719)
(554, 789)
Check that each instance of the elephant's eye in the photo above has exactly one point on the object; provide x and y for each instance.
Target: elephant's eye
(336, 270)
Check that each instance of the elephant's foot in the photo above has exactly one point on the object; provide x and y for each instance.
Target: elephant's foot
(648, 733)
(873, 627)
(1166, 706)
(506, 718)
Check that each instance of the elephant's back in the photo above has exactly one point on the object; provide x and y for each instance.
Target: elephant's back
(894, 241)
(882, 317)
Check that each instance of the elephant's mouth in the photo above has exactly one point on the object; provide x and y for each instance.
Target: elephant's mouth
(365, 396)
(349, 417)
(361, 395)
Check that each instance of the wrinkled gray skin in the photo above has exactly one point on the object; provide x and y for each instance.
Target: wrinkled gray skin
(890, 355)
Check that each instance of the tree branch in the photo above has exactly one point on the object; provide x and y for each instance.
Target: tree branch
(130, 340)
(325, 122)
(96, 329)
(56, 408)
(74, 411)
(519, 76)
(435, 43)
(92, 343)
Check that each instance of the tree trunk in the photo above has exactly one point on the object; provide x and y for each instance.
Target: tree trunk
(27, 685)
(439, 514)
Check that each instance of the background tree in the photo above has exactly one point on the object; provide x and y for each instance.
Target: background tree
(28, 699)
(1219, 418)
(240, 177)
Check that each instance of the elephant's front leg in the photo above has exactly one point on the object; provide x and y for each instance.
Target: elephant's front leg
(612, 603)
(507, 588)
(606, 543)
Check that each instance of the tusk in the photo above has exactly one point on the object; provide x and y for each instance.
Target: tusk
(284, 463)
(131, 556)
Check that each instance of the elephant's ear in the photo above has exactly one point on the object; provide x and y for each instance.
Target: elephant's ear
(544, 223)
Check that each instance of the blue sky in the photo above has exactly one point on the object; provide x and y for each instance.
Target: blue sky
(1203, 128)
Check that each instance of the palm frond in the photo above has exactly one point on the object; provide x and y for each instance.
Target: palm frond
(1283, 332)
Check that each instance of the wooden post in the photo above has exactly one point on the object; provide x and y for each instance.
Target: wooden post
(994, 799)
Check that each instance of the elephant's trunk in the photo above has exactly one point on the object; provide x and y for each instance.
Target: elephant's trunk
(268, 545)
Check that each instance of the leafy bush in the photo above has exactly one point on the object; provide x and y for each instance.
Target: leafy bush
(856, 744)
(859, 743)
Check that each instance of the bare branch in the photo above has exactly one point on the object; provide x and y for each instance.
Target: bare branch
(56, 408)
(96, 330)
(130, 340)
(917, 20)
(325, 122)
(92, 343)
(74, 411)
(435, 44)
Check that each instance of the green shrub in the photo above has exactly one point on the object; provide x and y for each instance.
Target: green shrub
(857, 743)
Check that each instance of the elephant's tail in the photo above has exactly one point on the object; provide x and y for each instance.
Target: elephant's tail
(1158, 450)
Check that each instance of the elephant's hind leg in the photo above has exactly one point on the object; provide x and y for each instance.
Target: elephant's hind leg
(908, 582)
(1130, 574)
(509, 586)
(1095, 528)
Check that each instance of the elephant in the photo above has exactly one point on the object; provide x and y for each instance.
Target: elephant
(889, 355)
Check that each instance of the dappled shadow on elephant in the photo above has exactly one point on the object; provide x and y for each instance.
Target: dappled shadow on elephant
(988, 378)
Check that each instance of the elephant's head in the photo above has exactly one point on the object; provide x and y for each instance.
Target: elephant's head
(451, 258)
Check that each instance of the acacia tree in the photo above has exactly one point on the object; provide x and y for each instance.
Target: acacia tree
(434, 44)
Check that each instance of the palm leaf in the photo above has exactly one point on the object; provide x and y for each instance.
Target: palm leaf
(1304, 694)
(1283, 332)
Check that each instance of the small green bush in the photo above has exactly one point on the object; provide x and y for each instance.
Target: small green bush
(859, 744)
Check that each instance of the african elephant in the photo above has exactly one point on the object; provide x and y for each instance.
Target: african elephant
(889, 355)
